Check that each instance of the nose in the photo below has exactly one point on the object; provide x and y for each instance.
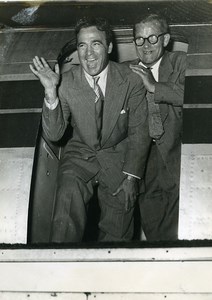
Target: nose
(89, 50)
(146, 43)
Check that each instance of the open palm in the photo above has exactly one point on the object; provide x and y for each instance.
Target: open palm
(48, 78)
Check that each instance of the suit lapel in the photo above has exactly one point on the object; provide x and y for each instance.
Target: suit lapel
(114, 98)
(165, 70)
(85, 105)
(87, 97)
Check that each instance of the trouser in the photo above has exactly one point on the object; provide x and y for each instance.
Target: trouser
(70, 215)
(159, 205)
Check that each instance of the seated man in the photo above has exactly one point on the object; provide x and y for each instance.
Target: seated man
(106, 104)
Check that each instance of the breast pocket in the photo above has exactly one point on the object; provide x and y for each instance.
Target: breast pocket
(122, 122)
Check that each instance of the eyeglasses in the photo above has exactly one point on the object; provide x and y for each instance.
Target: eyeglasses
(152, 39)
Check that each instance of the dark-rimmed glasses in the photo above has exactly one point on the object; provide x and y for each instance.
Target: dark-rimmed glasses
(152, 39)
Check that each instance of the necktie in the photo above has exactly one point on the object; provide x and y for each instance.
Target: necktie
(99, 102)
(155, 123)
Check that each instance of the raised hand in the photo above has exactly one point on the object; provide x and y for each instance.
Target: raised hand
(146, 75)
(48, 78)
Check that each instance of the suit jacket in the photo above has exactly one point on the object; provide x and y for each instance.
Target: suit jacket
(169, 94)
(125, 140)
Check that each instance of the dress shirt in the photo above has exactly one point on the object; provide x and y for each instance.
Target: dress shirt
(101, 82)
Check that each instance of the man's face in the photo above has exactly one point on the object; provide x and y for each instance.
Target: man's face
(148, 53)
(93, 50)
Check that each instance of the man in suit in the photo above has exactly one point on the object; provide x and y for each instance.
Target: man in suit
(163, 74)
(105, 102)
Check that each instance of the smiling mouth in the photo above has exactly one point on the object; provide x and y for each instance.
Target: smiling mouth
(147, 52)
(91, 62)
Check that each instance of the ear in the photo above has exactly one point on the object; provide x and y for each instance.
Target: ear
(166, 39)
(110, 48)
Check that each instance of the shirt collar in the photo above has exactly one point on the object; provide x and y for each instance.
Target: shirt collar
(102, 79)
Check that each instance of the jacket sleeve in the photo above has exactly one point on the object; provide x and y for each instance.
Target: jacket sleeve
(172, 90)
(55, 121)
(138, 132)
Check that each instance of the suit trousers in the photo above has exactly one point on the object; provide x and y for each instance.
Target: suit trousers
(159, 205)
(70, 214)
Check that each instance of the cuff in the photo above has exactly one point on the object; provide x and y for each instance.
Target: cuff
(131, 175)
(53, 105)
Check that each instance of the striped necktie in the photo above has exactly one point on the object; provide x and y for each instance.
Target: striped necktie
(155, 123)
(99, 103)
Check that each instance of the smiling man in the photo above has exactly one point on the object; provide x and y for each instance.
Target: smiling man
(105, 102)
(163, 74)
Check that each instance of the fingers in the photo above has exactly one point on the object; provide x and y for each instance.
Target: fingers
(45, 64)
(127, 204)
(139, 69)
(130, 202)
(117, 191)
(57, 69)
(33, 70)
(39, 63)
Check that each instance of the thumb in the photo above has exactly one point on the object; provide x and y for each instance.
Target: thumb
(117, 191)
(57, 69)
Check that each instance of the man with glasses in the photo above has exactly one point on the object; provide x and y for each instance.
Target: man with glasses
(163, 74)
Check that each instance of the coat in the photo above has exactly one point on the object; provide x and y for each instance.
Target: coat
(125, 139)
(169, 94)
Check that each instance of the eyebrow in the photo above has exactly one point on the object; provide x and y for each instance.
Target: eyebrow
(94, 41)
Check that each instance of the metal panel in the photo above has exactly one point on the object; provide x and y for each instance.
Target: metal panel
(64, 13)
(195, 220)
(15, 179)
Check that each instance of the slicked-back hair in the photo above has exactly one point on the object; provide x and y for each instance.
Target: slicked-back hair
(164, 27)
(100, 23)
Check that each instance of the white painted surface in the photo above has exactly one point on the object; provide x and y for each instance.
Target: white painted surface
(195, 221)
(102, 296)
(107, 277)
(41, 296)
(149, 296)
(107, 255)
(15, 180)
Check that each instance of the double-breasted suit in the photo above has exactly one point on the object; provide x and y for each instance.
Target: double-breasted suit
(160, 204)
(124, 147)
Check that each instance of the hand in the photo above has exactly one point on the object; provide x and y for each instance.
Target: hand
(130, 189)
(146, 75)
(48, 78)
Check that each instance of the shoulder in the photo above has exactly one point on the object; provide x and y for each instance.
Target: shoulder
(176, 56)
(70, 72)
(70, 76)
(124, 71)
(131, 62)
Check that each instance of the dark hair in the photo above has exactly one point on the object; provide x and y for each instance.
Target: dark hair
(66, 50)
(100, 23)
(151, 18)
